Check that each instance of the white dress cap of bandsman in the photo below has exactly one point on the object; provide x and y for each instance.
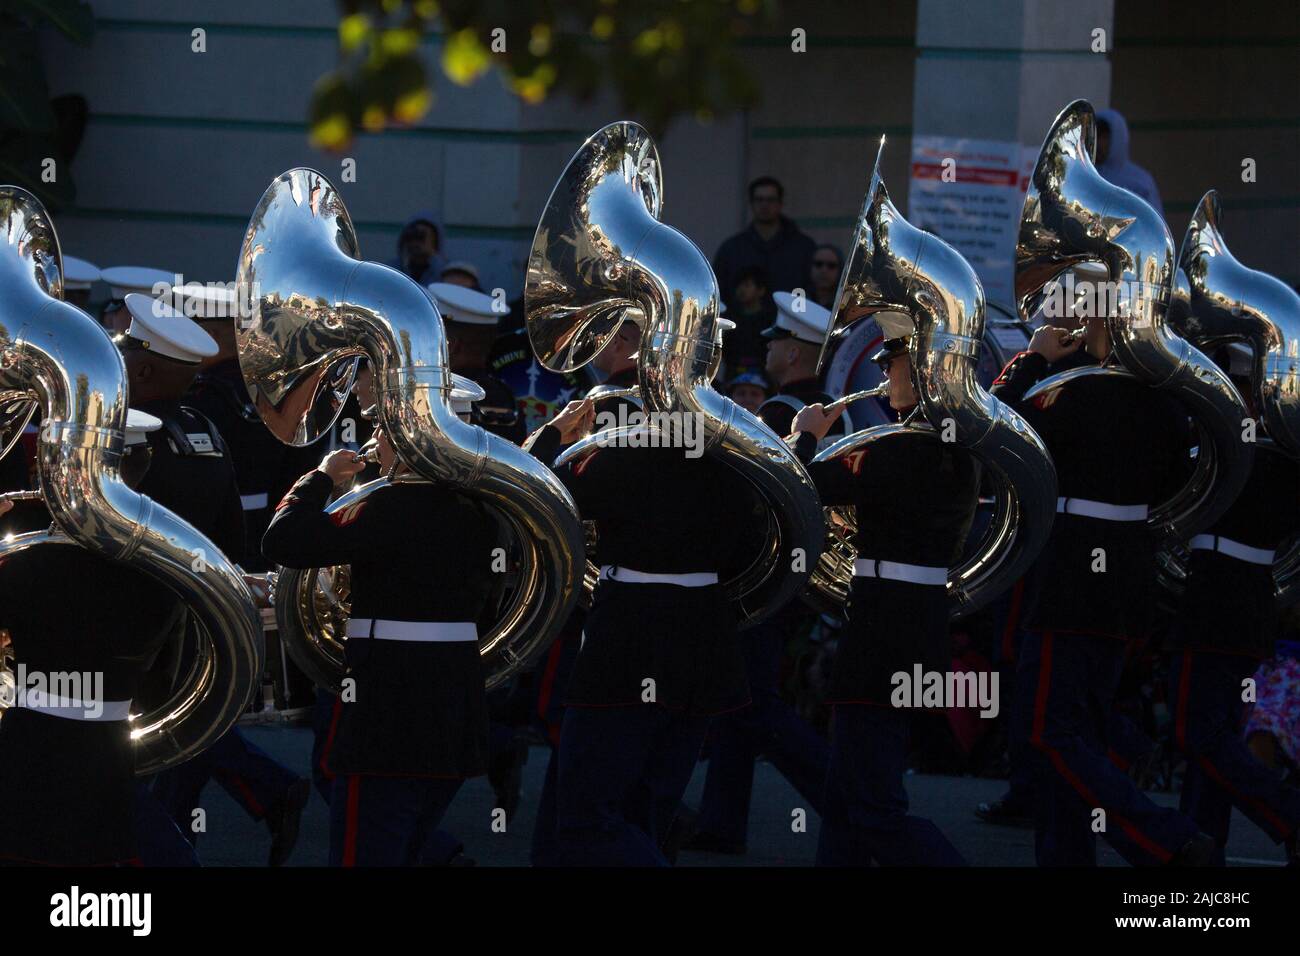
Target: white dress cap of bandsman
(78, 274)
(161, 329)
(204, 302)
(138, 426)
(800, 319)
(125, 279)
(459, 304)
(464, 393)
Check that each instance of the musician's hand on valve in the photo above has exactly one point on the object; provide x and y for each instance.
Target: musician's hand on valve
(575, 420)
(815, 420)
(1054, 343)
(341, 465)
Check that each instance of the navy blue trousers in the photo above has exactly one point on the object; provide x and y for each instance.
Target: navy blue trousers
(620, 778)
(767, 726)
(386, 821)
(1221, 771)
(865, 817)
(1126, 742)
(159, 842)
(440, 847)
(1075, 677)
(252, 777)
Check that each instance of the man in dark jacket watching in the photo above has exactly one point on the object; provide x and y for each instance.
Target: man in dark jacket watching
(772, 242)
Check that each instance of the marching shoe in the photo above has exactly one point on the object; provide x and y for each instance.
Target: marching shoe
(284, 818)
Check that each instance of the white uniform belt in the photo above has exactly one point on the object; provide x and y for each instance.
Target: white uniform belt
(381, 630)
(696, 579)
(1101, 509)
(897, 571)
(1233, 549)
(254, 502)
(70, 708)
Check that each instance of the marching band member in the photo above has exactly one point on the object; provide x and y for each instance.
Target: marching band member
(915, 498)
(769, 725)
(193, 475)
(67, 765)
(660, 653)
(413, 719)
(471, 323)
(123, 281)
(265, 467)
(1116, 444)
(79, 276)
(1227, 623)
(617, 362)
(793, 348)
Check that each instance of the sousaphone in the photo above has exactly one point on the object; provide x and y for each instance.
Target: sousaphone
(601, 257)
(895, 267)
(312, 308)
(60, 360)
(1218, 301)
(1072, 215)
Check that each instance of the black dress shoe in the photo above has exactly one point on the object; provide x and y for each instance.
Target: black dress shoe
(284, 818)
(1004, 813)
(1200, 850)
(684, 827)
(708, 843)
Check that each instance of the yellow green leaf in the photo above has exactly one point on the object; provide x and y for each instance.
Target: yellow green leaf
(409, 107)
(533, 88)
(331, 132)
(399, 42)
(464, 58)
(353, 31)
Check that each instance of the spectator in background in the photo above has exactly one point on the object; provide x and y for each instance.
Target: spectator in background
(753, 311)
(772, 242)
(749, 390)
(419, 249)
(826, 265)
(463, 274)
(1113, 162)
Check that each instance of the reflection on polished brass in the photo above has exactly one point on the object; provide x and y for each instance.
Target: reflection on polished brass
(1073, 215)
(894, 267)
(313, 309)
(65, 360)
(1217, 301)
(601, 256)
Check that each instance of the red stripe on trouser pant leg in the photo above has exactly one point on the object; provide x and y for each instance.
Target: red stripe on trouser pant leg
(238, 782)
(350, 830)
(1211, 771)
(1036, 738)
(329, 737)
(548, 687)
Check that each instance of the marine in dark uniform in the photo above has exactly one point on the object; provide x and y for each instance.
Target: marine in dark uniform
(193, 474)
(470, 318)
(770, 726)
(617, 362)
(1227, 623)
(660, 653)
(413, 722)
(915, 497)
(1119, 447)
(794, 343)
(1126, 742)
(67, 765)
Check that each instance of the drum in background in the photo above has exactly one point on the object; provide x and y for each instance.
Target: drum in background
(540, 394)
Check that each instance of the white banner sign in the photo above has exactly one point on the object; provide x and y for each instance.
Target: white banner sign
(970, 193)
